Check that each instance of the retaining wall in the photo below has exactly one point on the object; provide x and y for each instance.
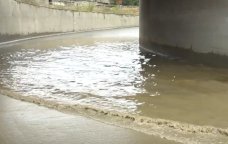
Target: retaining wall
(22, 19)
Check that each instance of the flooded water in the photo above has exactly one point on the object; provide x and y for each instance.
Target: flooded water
(105, 72)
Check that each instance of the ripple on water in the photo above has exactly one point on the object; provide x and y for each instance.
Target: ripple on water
(103, 71)
(111, 78)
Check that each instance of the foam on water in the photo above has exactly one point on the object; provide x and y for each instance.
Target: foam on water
(171, 130)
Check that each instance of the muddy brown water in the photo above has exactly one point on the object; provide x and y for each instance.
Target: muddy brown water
(105, 70)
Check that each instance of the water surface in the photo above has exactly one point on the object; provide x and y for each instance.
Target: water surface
(105, 70)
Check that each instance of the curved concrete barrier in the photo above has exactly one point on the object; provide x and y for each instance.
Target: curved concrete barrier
(22, 19)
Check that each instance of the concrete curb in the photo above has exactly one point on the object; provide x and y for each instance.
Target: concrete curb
(58, 34)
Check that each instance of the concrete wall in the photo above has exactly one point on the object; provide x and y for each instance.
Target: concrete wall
(88, 21)
(200, 25)
(22, 19)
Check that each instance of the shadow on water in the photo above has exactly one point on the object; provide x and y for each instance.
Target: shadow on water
(185, 55)
(185, 86)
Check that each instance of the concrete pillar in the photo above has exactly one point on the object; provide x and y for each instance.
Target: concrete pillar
(190, 25)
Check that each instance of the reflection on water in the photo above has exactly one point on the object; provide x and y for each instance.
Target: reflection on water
(190, 93)
(94, 73)
(110, 73)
